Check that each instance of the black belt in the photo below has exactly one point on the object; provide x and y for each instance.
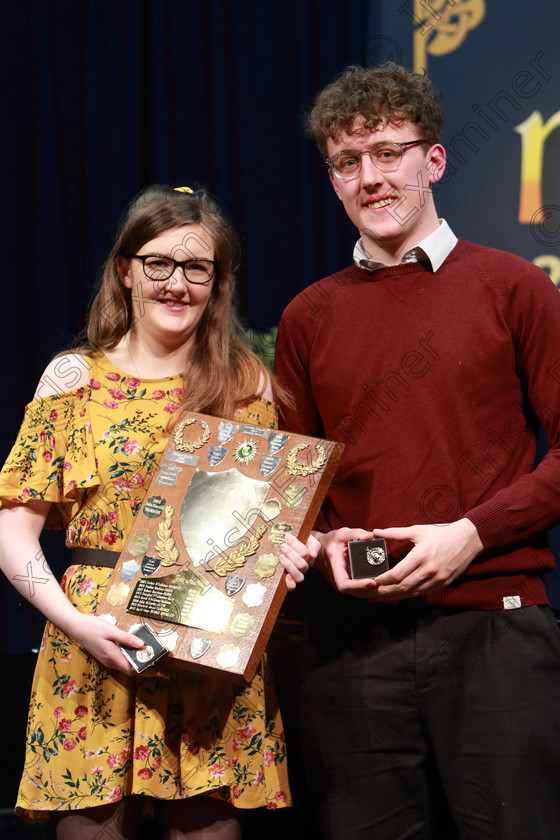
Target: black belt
(95, 557)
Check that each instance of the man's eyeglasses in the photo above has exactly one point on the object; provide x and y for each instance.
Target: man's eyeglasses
(160, 268)
(385, 156)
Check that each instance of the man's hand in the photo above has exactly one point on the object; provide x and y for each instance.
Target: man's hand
(441, 554)
(335, 565)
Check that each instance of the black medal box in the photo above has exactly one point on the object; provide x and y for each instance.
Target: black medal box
(368, 558)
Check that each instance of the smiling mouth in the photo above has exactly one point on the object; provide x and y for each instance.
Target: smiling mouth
(174, 304)
(378, 205)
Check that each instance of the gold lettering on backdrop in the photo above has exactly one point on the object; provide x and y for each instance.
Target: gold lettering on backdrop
(442, 26)
(551, 264)
(534, 133)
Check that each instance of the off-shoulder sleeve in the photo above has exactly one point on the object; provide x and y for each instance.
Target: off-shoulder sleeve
(53, 458)
(259, 411)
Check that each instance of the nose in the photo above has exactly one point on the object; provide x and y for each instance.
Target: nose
(370, 175)
(177, 283)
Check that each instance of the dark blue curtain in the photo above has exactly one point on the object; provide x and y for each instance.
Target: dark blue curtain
(101, 98)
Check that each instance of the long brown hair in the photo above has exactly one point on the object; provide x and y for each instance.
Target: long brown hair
(221, 370)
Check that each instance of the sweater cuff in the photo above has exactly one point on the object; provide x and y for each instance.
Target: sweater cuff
(493, 524)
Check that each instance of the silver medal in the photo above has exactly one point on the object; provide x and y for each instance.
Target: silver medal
(199, 647)
(277, 441)
(233, 584)
(268, 464)
(216, 455)
(168, 475)
(254, 595)
(226, 431)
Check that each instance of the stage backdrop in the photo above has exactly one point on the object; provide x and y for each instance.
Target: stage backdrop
(102, 98)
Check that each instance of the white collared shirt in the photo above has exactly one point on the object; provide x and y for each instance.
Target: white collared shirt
(435, 248)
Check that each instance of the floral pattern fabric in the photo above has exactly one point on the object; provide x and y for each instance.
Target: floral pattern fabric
(95, 735)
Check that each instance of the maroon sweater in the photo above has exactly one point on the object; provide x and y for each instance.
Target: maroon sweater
(434, 382)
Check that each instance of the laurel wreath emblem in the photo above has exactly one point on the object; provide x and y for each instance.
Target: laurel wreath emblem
(237, 558)
(296, 468)
(187, 445)
(165, 544)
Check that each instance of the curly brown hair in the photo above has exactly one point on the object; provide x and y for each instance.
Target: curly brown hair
(385, 92)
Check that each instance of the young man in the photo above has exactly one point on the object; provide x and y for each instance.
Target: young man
(431, 358)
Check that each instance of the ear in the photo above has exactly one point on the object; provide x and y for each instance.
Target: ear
(124, 271)
(334, 184)
(436, 162)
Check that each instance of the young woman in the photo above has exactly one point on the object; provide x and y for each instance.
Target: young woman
(162, 338)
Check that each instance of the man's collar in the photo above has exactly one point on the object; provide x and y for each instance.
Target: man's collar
(435, 248)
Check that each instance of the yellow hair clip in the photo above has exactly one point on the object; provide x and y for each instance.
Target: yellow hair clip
(184, 189)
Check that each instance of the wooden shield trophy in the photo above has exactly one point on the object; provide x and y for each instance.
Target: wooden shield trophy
(199, 574)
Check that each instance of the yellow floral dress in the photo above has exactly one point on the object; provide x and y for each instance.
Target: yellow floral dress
(95, 735)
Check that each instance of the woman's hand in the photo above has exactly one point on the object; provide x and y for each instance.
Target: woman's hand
(297, 558)
(102, 639)
(23, 562)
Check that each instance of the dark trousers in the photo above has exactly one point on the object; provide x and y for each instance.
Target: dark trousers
(473, 694)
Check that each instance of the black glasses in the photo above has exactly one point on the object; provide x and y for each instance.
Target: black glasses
(347, 165)
(160, 268)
